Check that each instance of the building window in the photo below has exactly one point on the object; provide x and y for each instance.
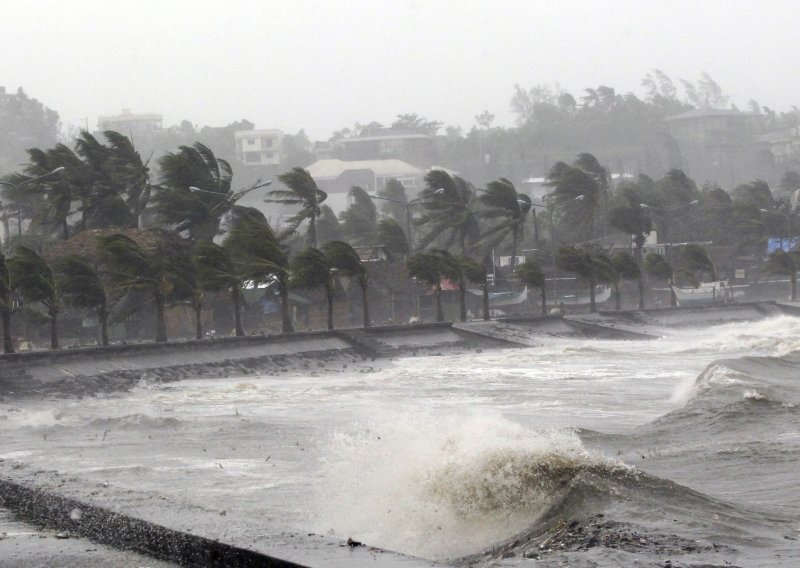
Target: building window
(267, 142)
(252, 157)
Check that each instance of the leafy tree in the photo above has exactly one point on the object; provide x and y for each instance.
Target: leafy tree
(36, 281)
(576, 211)
(658, 267)
(360, 218)
(624, 268)
(345, 259)
(391, 235)
(395, 200)
(199, 213)
(328, 226)
(449, 211)
(151, 270)
(84, 287)
(631, 219)
(311, 269)
(509, 209)
(415, 122)
(694, 262)
(532, 275)
(6, 303)
(785, 264)
(431, 267)
(303, 191)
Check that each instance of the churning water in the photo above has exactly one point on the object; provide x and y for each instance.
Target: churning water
(683, 448)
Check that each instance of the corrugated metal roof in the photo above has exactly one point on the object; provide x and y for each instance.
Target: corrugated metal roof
(333, 168)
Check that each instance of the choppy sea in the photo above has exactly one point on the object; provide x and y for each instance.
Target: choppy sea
(679, 451)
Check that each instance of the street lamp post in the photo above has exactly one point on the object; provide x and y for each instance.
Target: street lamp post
(550, 208)
(407, 205)
(18, 189)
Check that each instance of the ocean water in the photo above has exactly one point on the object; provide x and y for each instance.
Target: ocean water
(685, 448)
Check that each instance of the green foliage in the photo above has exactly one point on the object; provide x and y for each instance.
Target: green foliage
(531, 274)
(390, 234)
(36, 281)
(302, 191)
(695, 263)
(657, 266)
(508, 210)
(626, 266)
(359, 220)
(449, 215)
(396, 200)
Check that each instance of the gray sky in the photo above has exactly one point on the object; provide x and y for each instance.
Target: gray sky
(323, 65)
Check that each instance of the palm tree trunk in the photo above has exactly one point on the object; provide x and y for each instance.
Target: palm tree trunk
(794, 286)
(161, 320)
(462, 298)
(102, 317)
(312, 230)
(592, 303)
(514, 245)
(365, 303)
(198, 320)
(8, 345)
(544, 301)
(236, 298)
(439, 310)
(640, 280)
(53, 313)
(329, 295)
(617, 297)
(673, 298)
(286, 315)
(485, 300)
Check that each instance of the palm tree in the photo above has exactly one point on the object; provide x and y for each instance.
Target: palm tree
(360, 218)
(658, 267)
(36, 281)
(580, 261)
(476, 273)
(786, 264)
(510, 208)
(694, 262)
(303, 191)
(625, 268)
(532, 275)
(311, 269)
(134, 268)
(217, 271)
(391, 235)
(449, 214)
(431, 267)
(345, 259)
(394, 200)
(257, 250)
(6, 304)
(199, 213)
(83, 287)
(633, 220)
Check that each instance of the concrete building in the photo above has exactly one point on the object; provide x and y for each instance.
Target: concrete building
(259, 147)
(137, 126)
(376, 142)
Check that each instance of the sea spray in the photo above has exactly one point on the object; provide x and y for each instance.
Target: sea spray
(445, 486)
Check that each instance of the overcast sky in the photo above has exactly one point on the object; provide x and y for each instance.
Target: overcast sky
(324, 65)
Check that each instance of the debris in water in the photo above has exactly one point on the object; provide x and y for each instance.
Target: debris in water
(353, 543)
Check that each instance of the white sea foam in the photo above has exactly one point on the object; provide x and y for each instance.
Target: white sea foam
(442, 487)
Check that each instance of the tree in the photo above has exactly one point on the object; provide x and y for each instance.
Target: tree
(580, 261)
(412, 121)
(510, 209)
(36, 281)
(217, 271)
(785, 264)
(262, 258)
(391, 235)
(360, 218)
(431, 267)
(476, 273)
(395, 200)
(199, 213)
(136, 268)
(24, 123)
(311, 269)
(694, 263)
(345, 259)
(630, 218)
(303, 191)
(6, 303)
(568, 189)
(83, 287)
(449, 213)
(658, 267)
(532, 275)
(624, 268)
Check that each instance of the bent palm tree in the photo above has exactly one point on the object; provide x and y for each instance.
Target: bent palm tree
(476, 273)
(303, 191)
(344, 258)
(6, 303)
(311, 269)
(449, 211)
(632, 219)
(532, 275)
(83, 287)
(510, 208)
(216, 272)
(36, 281)
(431, 267)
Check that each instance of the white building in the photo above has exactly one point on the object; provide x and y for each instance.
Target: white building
(259, 147)
(130, 124)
